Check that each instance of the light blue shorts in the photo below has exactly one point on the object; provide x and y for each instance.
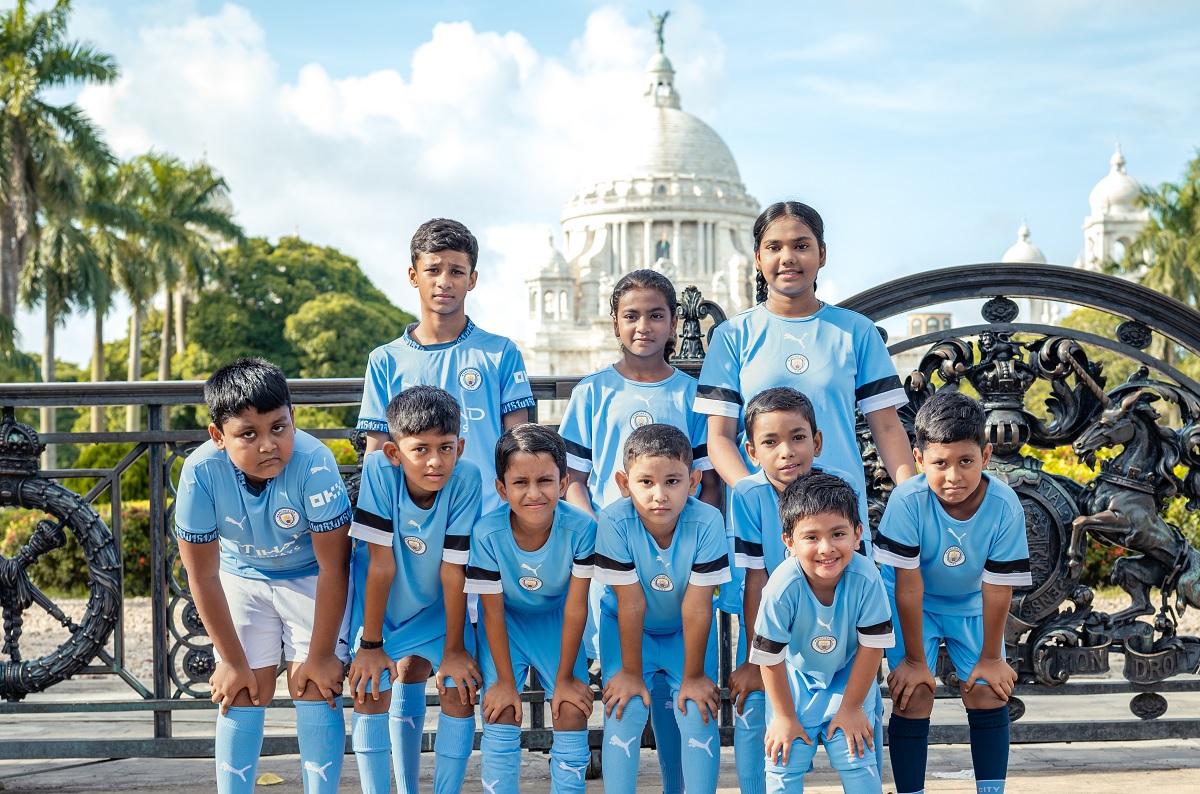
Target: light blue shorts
(661, 653)
(962, 634)
(534, 642)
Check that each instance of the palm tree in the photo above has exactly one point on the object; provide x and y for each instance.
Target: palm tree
(38, 140)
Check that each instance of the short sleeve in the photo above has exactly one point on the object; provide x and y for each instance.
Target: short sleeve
(773, 627)
(876, 384)
(195, 508)
(483, 570)
(874, 620)
(326, 505)
(711, 566)
(584, 552)
(465, 504)
(377, 495)
(576, 427)
(698, 431)
(614, 559)
(719, 392)
(376, 384)
(747, 532)
(898, 541)
(1008, 558)
(515, 392)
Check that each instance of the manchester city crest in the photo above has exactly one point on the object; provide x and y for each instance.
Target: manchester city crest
(954, 557)
(286, 518)
(824, 644)
(530, 583)
(662, 583)
(797, 363)
(415, 545)
(641, 419)
(470, 379)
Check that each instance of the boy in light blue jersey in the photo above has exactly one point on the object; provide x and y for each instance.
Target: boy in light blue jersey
(952, 543)
(416, 506)
(662, 554)
(819, 638)
(534, 608)
(782, 439)
(261, 520)
(484, 371)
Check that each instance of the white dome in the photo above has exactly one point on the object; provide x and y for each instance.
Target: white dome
(1024, 250)
(669, 142)
(1117, 191)
(551, 264)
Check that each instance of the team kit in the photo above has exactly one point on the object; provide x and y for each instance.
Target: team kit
(483, 547)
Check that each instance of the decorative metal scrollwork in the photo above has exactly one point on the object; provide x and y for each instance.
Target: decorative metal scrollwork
(693, 308)
(21, 486)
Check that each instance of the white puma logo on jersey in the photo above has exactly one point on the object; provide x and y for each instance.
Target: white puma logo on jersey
(702, 745)
(413, 523)
(825, 625)
(491, 787)
(315, 469)
(532, 570)
(665, 564)
(623, 745)
(798, 339)
(958, 537)
(576, 770)
(239, 524)
(744, 717)
(644, 399)
(311, 766)
(225, 767)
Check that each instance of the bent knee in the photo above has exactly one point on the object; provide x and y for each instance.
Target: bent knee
(920, 705)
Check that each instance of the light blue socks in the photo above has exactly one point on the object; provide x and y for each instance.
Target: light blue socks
(321, 734)
(666, 736)
(372, 747)
(452, 748)
(701, 749)
(569, 759)
(749, 739)
(623, 748)
(407, 723)
(500, 771)
(238, 743)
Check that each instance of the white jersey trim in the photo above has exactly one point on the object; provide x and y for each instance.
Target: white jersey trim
(482, 587)
(707, 405)
(578, 463)
(892, 398)
(877, 640)
(885, 557)
(764, 659)
(714, 578)
(1020, 579)
(605, 576)
(456, 557)
(371, 534)
(746, 561)
(583, 571)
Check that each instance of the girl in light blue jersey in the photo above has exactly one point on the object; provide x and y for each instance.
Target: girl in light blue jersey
(641, 388)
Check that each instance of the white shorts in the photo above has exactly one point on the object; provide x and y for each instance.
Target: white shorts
(270, 615)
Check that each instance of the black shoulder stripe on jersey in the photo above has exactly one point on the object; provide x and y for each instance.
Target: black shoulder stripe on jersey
(609, 564)
(578, 450)
(885, 543)
(457, 543)
(369, 519)
(719, 564)
(747, 548)
(875, 387)
(879, 628)
(482, 574)
(1008, 566)
(717, 393)
(588, 560)
(700, 452)
(772, 647)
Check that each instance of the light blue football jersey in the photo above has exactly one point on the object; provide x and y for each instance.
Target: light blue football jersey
(485, 373)
(955, 557)
(836, 357)
(531, 581)
(420, 540)
(606, 407)
(264, 532)
(816, 640)
(626, 553)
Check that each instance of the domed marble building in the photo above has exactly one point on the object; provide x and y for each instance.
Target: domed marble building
(666, 195)
(1115, 219)
(1023, 250)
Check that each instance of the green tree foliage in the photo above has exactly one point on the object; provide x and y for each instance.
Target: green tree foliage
(332, 334)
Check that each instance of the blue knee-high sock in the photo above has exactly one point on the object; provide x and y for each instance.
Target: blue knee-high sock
(989, 748)
(623, 748)
(666, 736)
(239, 740)
(321, 734)
(701, 750)
(569, 758)
(908, 746)
(500, 769)
(407, 722)
(372, 750)
(858, 775)
(451, 749)
(749, 736)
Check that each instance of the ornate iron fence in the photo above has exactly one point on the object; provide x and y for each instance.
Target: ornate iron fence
(1000, 359)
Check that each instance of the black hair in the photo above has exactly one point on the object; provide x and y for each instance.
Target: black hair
(657, 441)
(779, 398)
(815, 494)
(649, 279)
(443, 234)
(246, 383)
(802, 212)
(950, 416)
(422, 409)
(533, 439)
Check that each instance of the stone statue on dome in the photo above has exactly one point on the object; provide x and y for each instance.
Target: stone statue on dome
(659, 20)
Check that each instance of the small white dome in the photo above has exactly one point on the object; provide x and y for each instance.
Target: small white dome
(1024, 250)
(1117, 191)
(552, 264)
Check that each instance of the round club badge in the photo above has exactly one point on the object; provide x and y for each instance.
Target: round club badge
(824, 644)
(530, 583)
(662, 583)
(415, 545)
(797, 363)
(470, 379)
(954, 557)
(286, 518)
(641, 419)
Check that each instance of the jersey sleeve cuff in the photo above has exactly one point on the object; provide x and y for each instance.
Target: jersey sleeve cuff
(1014, 573)
(371, 527)
(516, 405)
(609, 571)
(714, 572)
(457, 549)
(748, 561)
(881, 635)
(765, 652)
(584, 568)
(578, 463)
(888, 399)
(896, 554)
(331, 524)
(196, 537)
(482, 581)
(717, 407)
(372, 425)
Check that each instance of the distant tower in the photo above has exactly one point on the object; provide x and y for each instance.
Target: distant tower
(1025, 252)
(1115, 219)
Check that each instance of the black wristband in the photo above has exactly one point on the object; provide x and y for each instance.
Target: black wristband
(369, 645)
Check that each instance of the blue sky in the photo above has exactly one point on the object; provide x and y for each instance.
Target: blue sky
(923, 132)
